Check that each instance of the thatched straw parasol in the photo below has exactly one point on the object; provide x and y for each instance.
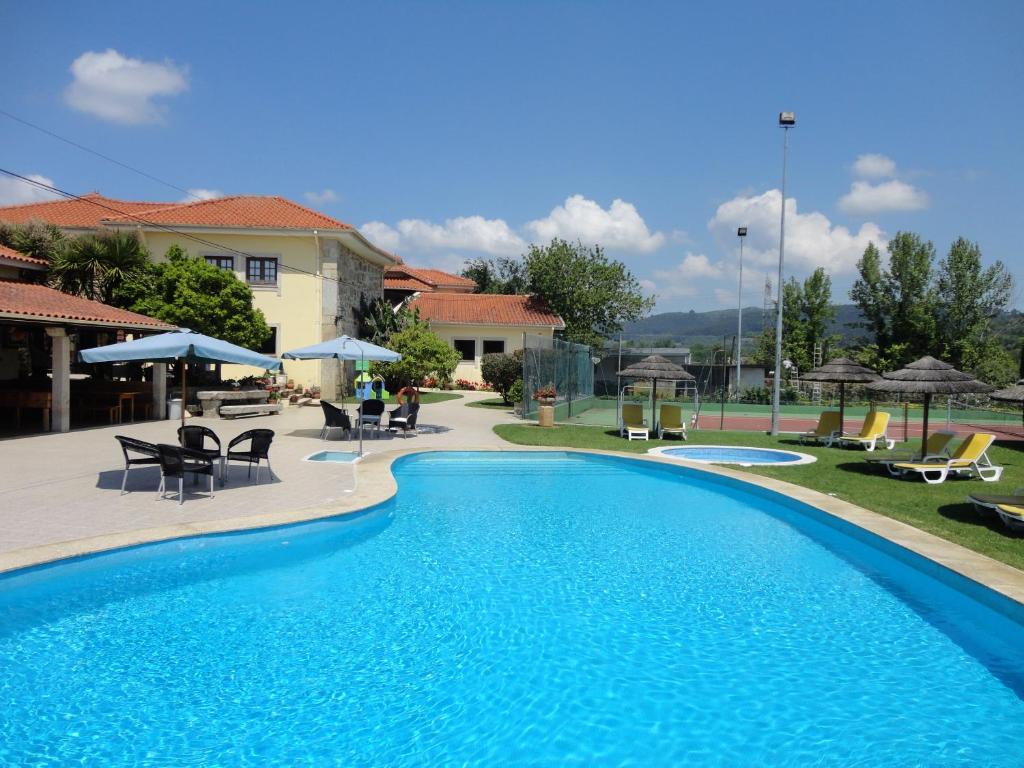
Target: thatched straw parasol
(928, 377)
(655, 367)
(1014, 394)
(841, 371)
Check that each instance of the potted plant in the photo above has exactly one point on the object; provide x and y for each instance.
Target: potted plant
(515, 396)
(545, 395)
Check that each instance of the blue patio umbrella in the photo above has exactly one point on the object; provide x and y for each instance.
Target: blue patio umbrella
(345, 348)
(184, 345)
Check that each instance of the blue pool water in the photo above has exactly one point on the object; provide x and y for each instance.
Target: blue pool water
(720, 454)
(334, 457)
(515, 609)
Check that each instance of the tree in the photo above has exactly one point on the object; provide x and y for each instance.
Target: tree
(96, 266)
(424, 354)
(34, 238)
(807, 311)
(899, 303)
(190, 293)
(969, 297)
(378, 319)
(501, 370)
(593, 295)
(502, 275)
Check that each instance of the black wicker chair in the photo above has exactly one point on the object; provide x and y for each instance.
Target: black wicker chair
(406, 422)
(194, 438)
(148, 451)
(259, 449)
(176, 461)
(370, 412)
(334, 418)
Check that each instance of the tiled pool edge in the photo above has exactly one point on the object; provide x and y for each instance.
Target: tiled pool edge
(376, 484)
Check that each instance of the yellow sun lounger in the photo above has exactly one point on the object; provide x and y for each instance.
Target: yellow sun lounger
(990, 502)
(936, 449)
(827, 431)
(633, 425)
(1012, 515)
(670, 421)
(970, 458)
(872, 431)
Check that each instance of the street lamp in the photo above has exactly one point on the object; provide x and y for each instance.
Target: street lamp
(786, 120)
(740, 233)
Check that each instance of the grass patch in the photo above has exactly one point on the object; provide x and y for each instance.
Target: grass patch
(491, 403)
(426, 398)
(939, 509)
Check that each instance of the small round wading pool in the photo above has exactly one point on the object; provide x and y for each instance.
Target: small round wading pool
(333, 457)
(733, 454)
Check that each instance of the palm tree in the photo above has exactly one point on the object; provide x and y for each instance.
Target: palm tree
(95, 266)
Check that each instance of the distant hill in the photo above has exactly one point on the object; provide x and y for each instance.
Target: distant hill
(701, 327)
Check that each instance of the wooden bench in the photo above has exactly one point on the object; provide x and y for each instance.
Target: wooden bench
(264, 409)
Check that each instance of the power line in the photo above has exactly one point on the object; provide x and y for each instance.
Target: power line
(108, 158)
(163, 227)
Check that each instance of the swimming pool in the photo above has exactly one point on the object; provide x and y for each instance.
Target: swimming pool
(516, 608)
(734, 454)
(334, 457)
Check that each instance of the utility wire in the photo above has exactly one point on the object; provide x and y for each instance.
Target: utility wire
(163, 227)
(108, 158)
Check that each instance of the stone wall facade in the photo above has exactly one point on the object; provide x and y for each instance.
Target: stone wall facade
(356, 280)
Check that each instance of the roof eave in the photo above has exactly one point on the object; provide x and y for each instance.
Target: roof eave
(47, 320)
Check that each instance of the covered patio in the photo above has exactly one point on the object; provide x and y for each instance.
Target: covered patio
(44, 389)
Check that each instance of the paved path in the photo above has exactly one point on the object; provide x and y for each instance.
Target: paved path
(60, 487)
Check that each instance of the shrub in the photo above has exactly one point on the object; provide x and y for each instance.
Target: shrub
(500, 371)
(515, 392)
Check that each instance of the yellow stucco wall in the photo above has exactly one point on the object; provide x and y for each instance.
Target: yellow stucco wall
(511, 335)
(294, 306)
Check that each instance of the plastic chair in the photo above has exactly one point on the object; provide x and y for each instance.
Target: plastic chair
(150, 455)
(176, 461)
(334, 418)
(407, 421)
(194, 438)
(370, 412)
(259, 449)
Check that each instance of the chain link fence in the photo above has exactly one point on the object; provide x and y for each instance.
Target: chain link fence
(567, 367)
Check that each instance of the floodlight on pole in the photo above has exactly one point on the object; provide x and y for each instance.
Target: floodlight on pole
(786, 121)
(740, 233)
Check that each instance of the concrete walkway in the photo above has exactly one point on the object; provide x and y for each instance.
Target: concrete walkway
(59, 488)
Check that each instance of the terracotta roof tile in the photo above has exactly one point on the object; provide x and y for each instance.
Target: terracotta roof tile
(30, 300)
(404, 277)
(242, 211)
(86, 212)
(13, 255)
(484, 309)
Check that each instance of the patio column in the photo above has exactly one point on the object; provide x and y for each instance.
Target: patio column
(60, 388)
(159, 390)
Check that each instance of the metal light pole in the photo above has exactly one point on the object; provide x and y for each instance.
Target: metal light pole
(740, 233)
(787, 120)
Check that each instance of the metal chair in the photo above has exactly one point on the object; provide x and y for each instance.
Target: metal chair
(176, 461)
(259, 449)
(407, 421)
(334, 418)
(194, 438)
(149, 452)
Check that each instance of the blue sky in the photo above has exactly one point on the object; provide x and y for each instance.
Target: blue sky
(457, 130)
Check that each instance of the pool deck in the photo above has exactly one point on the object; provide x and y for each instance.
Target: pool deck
(60, 493)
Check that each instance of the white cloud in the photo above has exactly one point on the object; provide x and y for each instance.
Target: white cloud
(470, 233)
(199, 193)
(811, 239)
(892, 195)
(322, 197)
(113, 87)
(620, 227)
(16, 192)
(725, 297)
(873, 166)
(681, 280)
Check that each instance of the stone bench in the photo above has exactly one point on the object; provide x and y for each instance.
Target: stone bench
(211, 401)
(255, 409)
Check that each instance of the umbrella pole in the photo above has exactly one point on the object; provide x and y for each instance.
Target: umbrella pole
(362, 359)
(654, 400)
(924, 433)
(184, 389)
(842, 407)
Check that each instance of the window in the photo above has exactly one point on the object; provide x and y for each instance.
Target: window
(222, 262)
(261, 270)
(494, 347)
(466, 349)
(270, 345)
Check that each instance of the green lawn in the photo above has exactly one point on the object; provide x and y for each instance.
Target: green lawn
(425, 398)
(939, 509)
(491, 403)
